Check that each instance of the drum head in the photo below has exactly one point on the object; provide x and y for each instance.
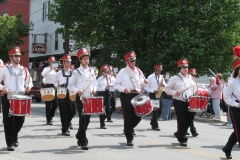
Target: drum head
(139, 100)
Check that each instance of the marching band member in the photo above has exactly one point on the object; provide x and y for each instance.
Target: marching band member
(66, 106)
(181, 87)
(83, 82)
(232, 98)
(128, 82)
(16, 80)
(111, 77)
(49, 75)
(103, 91)
(193, 130)
(155, 81)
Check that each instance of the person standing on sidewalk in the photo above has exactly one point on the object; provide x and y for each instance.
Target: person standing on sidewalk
(17, 81)
(83, 82)
(155, 81)
(232, 98)
(181, 86)
(128, 82)
(66, 106)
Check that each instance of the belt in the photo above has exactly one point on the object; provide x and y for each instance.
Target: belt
(180, 100)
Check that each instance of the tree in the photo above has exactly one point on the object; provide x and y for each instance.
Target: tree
(11, 33)
(164, 31)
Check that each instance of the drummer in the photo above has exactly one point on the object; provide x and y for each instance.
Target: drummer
(66, 106)
(129, 88)
(16, 80)
(84, 83)
(49, 75)
(181, 86)
(155, 81)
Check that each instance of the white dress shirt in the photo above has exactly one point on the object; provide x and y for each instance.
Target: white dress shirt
(49, 75)
(232, 92)
(123, 80)
(11, 82)
(153, 82)
(60, 79)
(176, 83)
(102, 83)
(78, 82)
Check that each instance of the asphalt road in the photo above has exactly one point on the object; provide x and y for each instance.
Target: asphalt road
(37, 141)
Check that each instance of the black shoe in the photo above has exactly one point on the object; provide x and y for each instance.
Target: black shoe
(103, 127)
(184, 144)
(49, 123)
(156, 128)
(84, 147)
(15, 144)
(227, 154)
(129, 143)
(175, 134)
(66, 133)
(109, 120)
(10, 148)
(195, 134)
(187, 133)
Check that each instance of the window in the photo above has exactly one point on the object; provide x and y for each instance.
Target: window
(45, 10)
(1, 1)
(56, 40)
(34, 38)
(45, 38)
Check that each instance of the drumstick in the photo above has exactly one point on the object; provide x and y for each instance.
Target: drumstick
(185, 89)
(86, 88)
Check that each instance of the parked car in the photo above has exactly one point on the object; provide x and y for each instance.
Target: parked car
(35, 92)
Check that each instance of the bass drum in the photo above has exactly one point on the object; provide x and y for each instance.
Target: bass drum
(142, 105)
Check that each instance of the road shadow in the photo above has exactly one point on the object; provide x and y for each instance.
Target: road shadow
(116, 135)
(235, 148)
(44, 136)
(122, 146)
(70, 150)
(168, 146)
(3, 151)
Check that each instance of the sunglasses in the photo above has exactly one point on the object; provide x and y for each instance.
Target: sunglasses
(184, 67)
(16, 55)
(132, 61)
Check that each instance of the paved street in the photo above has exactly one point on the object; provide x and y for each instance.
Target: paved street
(39, 141)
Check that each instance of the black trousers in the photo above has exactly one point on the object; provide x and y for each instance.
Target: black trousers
(184, 119)
(12, 125)
(102, 117)
(51, 106)
(131, 120)
(235, 136)
(155, 114)
(84, 121)
(113, 103)
(67, 112)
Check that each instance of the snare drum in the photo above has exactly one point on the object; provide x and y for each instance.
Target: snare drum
(203, 92)
(48, 94)
(61, 92)
(142, 105)
(197, 103)
(93, 105)
(118, 104)
(155, 104)
(72, 95)
(20, 105)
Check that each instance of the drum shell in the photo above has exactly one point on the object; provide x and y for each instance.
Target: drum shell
(93, 106)
(48, 94)
(61, 92)
(142, 105)
(198, 103)
(118, 104)
(72, 96)
(20, 105)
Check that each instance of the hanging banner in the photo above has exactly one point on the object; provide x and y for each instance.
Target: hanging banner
(39, 48)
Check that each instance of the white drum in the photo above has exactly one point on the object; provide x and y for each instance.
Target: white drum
(118, 104)
(72, 95)
(61, 92)
(155, 104)
(47, 94)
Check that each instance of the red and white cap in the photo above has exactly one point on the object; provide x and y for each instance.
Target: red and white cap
(82, 52)
(130, 55)
(51, 59)
(236, 51)
(158, 66)
(192, 71)
(182, 63)
(67, 58)
(15, 50)
(104, 67)
(236, 63)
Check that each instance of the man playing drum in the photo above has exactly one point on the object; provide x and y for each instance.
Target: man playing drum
(181, 86)
(128, 82)
(49, 75)
(155, 82)
(84, 83)
(66, 106)
(16, 80)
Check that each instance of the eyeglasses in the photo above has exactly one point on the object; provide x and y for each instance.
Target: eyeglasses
(16, 55)
(184, 67)
(132, 61)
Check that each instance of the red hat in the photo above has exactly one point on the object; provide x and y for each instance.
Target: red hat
(15, 50)
(236, 51)
(131, 55)
(66, 58)
(82, 52)
(158, 66)
(104, 67)
(236, 63)
(51, 59)
(192, 71)
(182, 62)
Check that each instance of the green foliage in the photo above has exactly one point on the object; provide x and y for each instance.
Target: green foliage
(163, 31)
(11, 33)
